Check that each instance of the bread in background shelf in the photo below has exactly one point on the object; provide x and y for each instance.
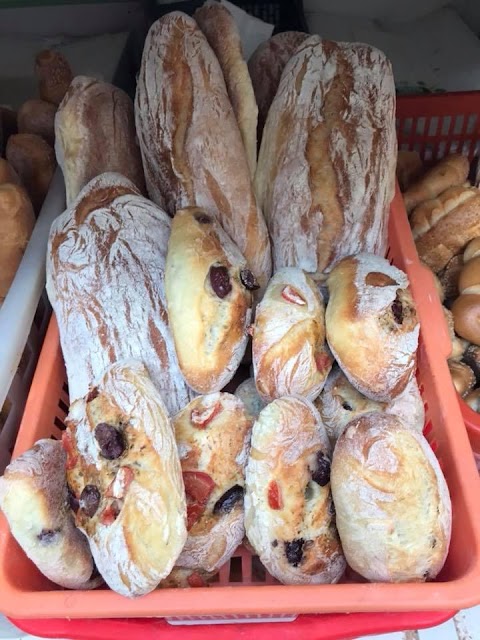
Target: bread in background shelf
(8, 173)
(38, 116)
(409, 168)
(54, 75)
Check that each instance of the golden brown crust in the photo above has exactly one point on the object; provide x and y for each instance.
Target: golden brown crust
(8, 173)
(472, 250)
(38, 116)
(53, 74)
(463, 377)
(428, 213)
(466, 315)
(449, 275)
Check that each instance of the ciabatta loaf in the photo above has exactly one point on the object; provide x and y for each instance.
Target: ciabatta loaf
(326, 170)
(105, 280)
(192, 150)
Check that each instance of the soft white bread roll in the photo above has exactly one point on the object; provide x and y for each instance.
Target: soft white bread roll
(105, 280)
(96, 115)
(192, 149)
(221, 31)
(266, 65)
(289, 515)
(8, 173)
(326, 168)
(463, 377)
(53, 74)
(248, 394)
(289, 349)
(208, 290)
(409, 168)
(34, 499)
(466, 316)
(38, 116)
(372, 325)
(452, 171)
(213, 439)
(124, 471)
(340, 403)
(17, 221)
(391, 499)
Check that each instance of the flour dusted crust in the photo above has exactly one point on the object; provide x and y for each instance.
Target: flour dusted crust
(34, 499)
(209, 306)
(289, 514)
(340, 402)
(124, 471)
(326, 168)
(289, 349)
(266, 65)
(95, 116)
(105, 280)
(372, 325)
(213, 437)
(191, 145)
(392, 501)
(221, 31)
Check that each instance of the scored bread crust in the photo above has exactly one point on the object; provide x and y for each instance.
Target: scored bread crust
(210, 332)
(372, 325)
(392, 501)
(96, 115)
(192, 150)
(287, 437)
(105, 281)
(221, 31)
(138, 529)
(289, 349)
(33, 497)
(326, 169)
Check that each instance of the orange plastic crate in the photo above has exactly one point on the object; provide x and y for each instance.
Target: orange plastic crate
(27, 594)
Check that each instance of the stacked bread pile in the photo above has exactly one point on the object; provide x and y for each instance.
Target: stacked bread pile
(318, 456)
(444, 210)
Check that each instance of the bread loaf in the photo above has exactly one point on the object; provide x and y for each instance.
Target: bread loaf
(34, 161)
(452, 171)
(409, 168)
(392, 502)
(266, 65)
(124, 473)
(221, 31)
(8, 173)
(34, 499)
(96, 115)
(17, 221)
(105, 280)
(191, 145)
(53, 74)
(289, 515)
(38, 116)
(372, 325)
(326, 169)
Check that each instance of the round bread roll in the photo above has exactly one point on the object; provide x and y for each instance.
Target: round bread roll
(472, 250)
(469, 279)
(208, 290)
(473, 400)
(34, 161)
(392, 502)
(466, 317)
(289, 515)
(38, 116)
(213, 438)
(53, 74)
(463, 377)
(34, 499)
(288, 346)
(8, 173)
(372, 325)
(248, 394)
(340, 403)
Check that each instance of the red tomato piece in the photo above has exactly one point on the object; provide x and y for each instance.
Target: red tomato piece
(202, 417)
(322, 360)
(291, 295)
(196, 580)
(274, 496)
(68, 448)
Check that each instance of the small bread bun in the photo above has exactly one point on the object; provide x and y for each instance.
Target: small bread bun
(463, 377)
(469, 279)
(466, 317)
(54, 75)
(472, 250)
(38, 116)
(473, 400)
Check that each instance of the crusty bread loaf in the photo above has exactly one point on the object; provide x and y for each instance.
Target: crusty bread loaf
(290, 356)
(8, 173)
(38, 116)
(372, 325)
(392, 501)
(124, 471)
(289, 515)
(213, 438)
(17, 221)
(53, 74)
(409, 168)
(207, 287)
(191, 145)
(34, 499)
(105, 280)
(450, 172)
(96, 115)
(221, 31)
(34, 161)
(326, 169)
(266, 65)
